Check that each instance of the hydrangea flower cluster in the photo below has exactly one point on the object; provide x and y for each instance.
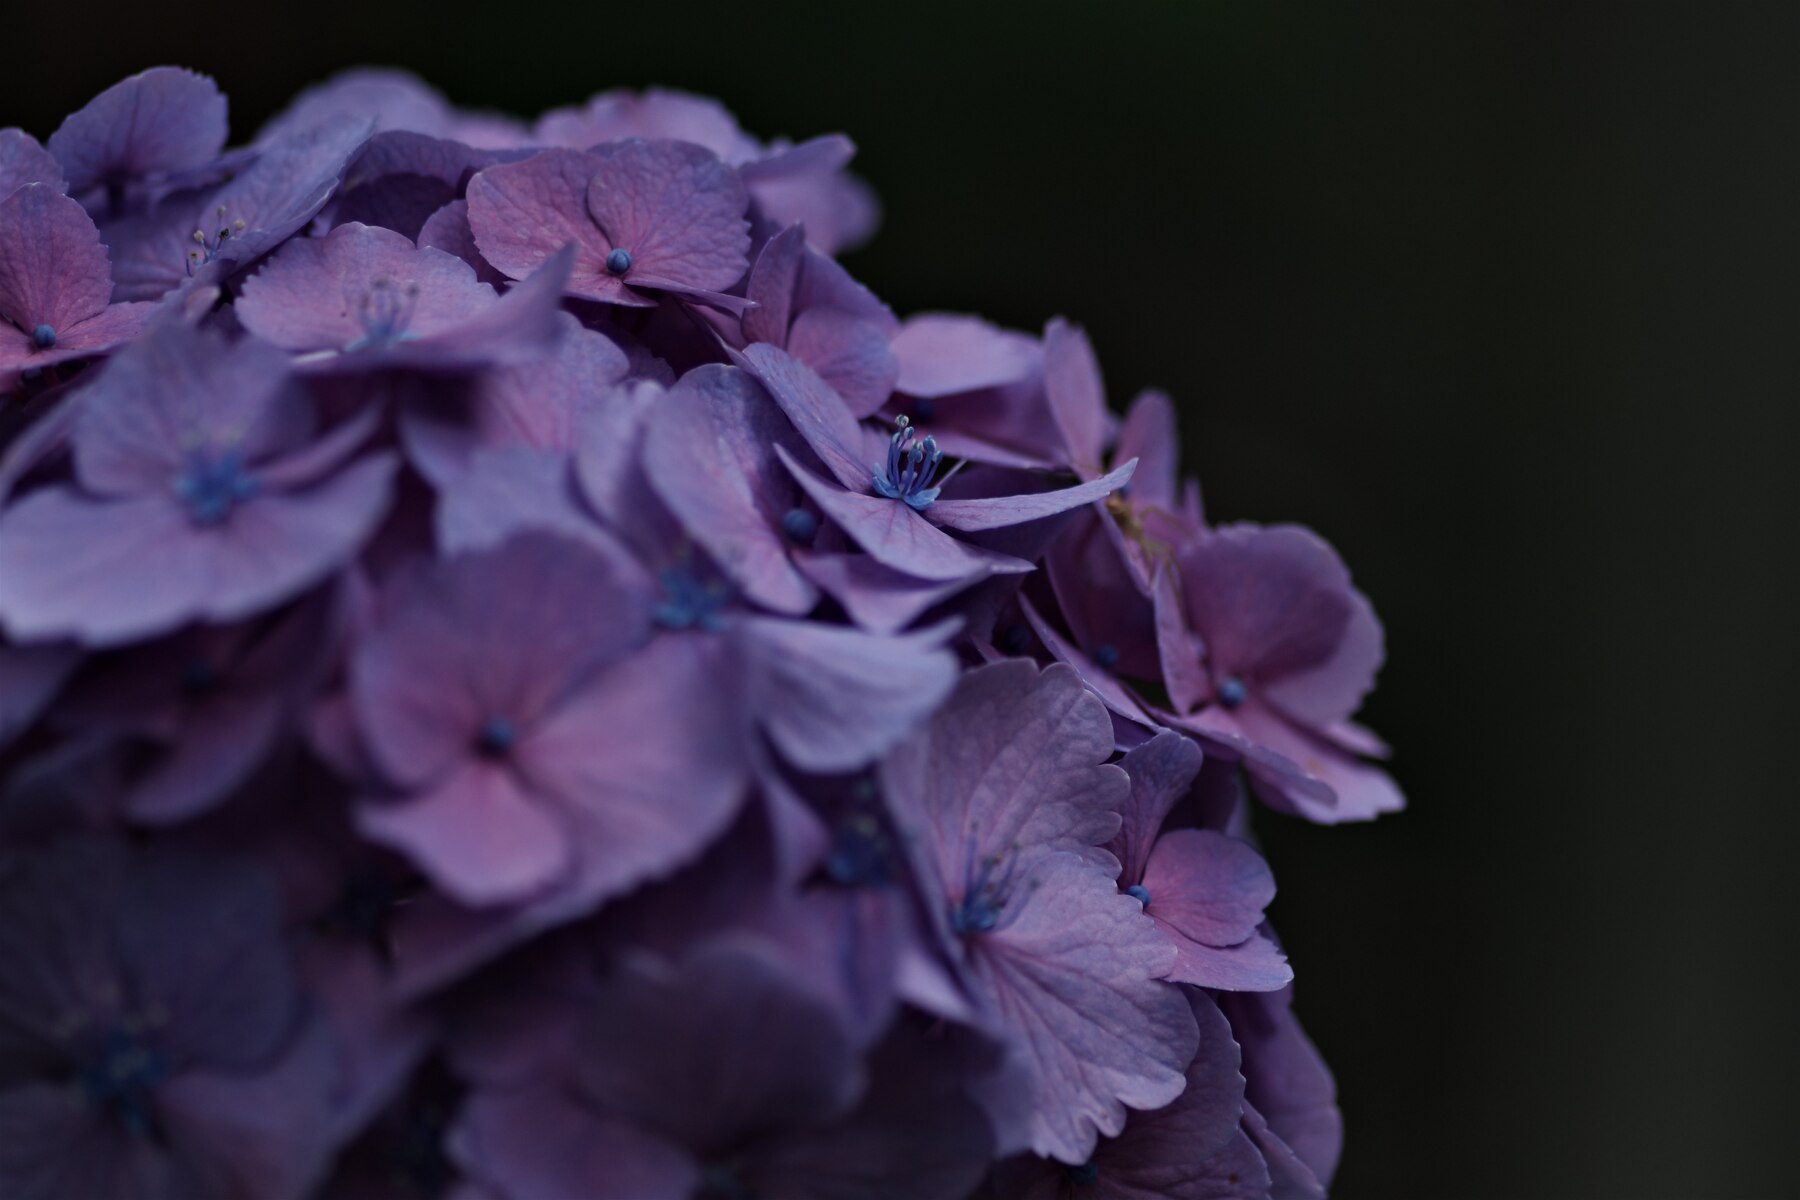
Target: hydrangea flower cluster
(522, 679)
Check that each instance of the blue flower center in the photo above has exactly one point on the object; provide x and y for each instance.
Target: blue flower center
(120, 1072)
(1083, 1173)
(1140, 893)
(213, 484)
(1015, 638)
(1232, 692)
(44, 337)
(989, 886)
(618, 261)
(386, 313)
(496, 738)
(207, 246)
(689, 602)
(799, 526)
(1106, 656)
(863, 852)
(911, 465)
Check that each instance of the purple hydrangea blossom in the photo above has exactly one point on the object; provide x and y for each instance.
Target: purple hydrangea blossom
(521, 678)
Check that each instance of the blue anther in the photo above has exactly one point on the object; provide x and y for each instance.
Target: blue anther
(496, 737)
(212, 485)
(618, 261)
(863, 853)
(386, 315)
(119, 1074)
(1106, 656)
(1015, 638)
(688, 602)
(1232, 692)
(987, 891)
(910, 468)
(1140, 893)
(799, 526)
(44, 337)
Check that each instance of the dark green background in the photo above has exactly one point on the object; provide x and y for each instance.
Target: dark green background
(1499, 297)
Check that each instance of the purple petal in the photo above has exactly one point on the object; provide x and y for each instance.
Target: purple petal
(1208, 887)
(29, 677)
(676, 209)
(656, 113)
(448, 230)
(819, 413)
(478, 834)
(538, 1142)
(159, 121)
(899, 538)
(1077, 980)
(322, 293)
(709, 453)
(211, 758)
(849, 353)
(997, 512)
(506, 490)
(1178, 651)
(879, 599)
(1075, 393)
(773, 281)
(942, 354)
(1149, 435)
(53, 269)
(23, 161)
(835, 699)
(522, 213)
(1161, 770)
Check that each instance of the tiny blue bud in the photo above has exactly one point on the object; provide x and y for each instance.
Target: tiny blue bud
(1086, 1173)
(1140, 893)
(1232, 691)
(43, 337)
(799, 526)
(1106, 656)
(497, 737)
(1015, 639)
(619, 261)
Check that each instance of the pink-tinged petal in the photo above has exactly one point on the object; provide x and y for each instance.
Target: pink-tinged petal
(1075, 393)
(159, 121)
(1362, 792)
(1076, 979)
(647, 763)
(1161, 770)
(264, 1134)
(1207, 886)
(107, 329)
(479, 835)
(1178, 650)
(318, 293)
(774, 279)
(835, 699)
(1281, 783)
(177, 388)
(997, 512)
(819, 413)
(213, 756)
(505, 633)
(709, 454)
(879, 599)
(839, 212)
(1253, 965)
(392, 99)
(23, 161)
(1275, 607)
(1149, 435)
(849, 353)
(522, 213)
(676, 209)
(539, 1143)
(942, 354)
(53, 268)
(448, 230)
(897, 537)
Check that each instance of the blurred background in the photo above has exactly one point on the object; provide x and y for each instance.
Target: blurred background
(1499, 297)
